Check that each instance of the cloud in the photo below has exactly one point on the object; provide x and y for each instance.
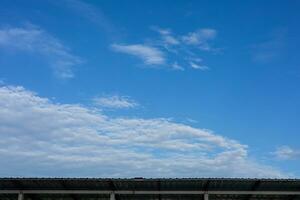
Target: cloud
(176, 66)
(200, 38)
(115, 101)
(167, 36)
(287, 153)
(198, 66)
(38, 135)
(35, 40)
(173, 51)
(150, 55)
(90, 12)
(270, 49)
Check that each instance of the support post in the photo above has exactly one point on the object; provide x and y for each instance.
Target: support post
(112, 196)
(206, 196)
(20, 196)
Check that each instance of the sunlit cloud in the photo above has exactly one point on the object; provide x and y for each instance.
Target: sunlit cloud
(84, 141)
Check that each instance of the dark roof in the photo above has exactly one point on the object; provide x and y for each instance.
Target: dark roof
(189, 184)
(140, 184)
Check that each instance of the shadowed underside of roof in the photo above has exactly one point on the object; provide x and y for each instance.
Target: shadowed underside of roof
(138, 188)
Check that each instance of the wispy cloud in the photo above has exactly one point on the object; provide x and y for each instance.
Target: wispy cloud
(198, 66)
(86, 142)
(270, 49)
(167, 36)
(115, 102)
(90, 12)
(150, 55)
(201, 38)
(176, 66)
(35, 40)
(173, 51)
(287, 153)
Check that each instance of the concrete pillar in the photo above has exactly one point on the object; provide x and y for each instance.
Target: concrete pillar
(20, 196)
(206, 196)
(112, 196)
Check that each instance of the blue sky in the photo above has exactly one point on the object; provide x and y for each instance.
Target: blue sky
(149, 88)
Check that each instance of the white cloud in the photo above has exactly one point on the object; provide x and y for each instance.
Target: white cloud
(115, 101)
(200, 38)
(170, 49)
(162, 31)
(38, 135)
(176, 66)
(170, 40)
(167, 36)
(198, 66)
(287, 153)
(150, 55)
(35, 40)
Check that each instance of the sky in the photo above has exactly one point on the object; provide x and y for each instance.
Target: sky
(149, 88)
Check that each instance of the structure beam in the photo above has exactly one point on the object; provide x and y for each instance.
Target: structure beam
(149, 192)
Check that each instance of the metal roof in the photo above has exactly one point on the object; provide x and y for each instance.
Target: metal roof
(139, 188)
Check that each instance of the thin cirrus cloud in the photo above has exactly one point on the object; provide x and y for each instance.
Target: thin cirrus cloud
(32, 39)
(115, 102)
(171, 50)
(200, 38)
(90, 12)
(198, 66)
(271, 49)
(176, 66)
(287, 153)
(167, 36)
(149, 55)
(84, 141)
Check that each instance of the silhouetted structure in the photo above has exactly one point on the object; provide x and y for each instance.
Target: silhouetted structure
(148, 189)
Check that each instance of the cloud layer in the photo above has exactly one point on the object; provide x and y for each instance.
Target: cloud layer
(35, 40)
(173, 51)
(42, 138)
